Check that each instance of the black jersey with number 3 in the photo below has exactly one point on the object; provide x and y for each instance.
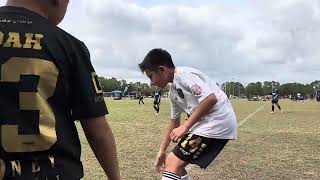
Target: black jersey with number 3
(46, 83)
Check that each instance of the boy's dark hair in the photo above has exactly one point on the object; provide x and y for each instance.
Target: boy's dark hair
(155, 58)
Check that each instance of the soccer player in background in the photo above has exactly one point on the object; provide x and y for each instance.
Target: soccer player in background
(47, 82)
(211, 123)
(156, 101)
(140, 97)
(275, 100)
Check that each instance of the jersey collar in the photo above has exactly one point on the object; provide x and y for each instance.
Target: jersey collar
(177, 73)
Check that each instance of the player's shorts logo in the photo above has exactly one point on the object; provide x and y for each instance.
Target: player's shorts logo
(196, 89)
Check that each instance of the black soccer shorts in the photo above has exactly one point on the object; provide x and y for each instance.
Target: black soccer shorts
(199, 150)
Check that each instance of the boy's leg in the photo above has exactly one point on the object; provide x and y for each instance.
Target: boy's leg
(278, 106)
(175, 168)
(193, 149)
(155, 107)
(272, 107)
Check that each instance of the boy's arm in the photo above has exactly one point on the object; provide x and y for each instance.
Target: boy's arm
(202, 109)
(101, 140)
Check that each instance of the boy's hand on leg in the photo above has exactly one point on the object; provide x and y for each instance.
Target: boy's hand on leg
(160, 161)
(178, 132)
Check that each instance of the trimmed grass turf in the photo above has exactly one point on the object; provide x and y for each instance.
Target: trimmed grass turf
(269, 146)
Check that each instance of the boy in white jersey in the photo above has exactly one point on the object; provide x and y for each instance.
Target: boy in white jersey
(211, 123)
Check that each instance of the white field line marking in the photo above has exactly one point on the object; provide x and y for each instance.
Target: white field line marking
(250, 115)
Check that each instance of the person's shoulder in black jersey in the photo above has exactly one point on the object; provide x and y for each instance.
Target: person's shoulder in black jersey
(47, 82)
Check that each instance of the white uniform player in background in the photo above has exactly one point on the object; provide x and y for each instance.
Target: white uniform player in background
(211, 120)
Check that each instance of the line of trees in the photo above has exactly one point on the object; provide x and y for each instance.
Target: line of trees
(111, 84)
(265, 88)
(231, 88)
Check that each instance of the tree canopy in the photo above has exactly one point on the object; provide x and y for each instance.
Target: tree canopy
(231, 88)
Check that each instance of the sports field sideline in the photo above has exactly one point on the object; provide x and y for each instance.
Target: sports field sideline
(269, 146)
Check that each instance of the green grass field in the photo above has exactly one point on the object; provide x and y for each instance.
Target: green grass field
(269, 146)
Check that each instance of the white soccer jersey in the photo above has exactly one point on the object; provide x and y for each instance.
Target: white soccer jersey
(189, 88)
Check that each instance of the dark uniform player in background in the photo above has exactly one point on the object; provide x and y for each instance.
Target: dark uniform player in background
(140, 97)
(156, 101)
(47, 82)
(275, 100)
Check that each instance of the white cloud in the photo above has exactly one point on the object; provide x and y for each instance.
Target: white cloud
(256, 41)
(127, 32)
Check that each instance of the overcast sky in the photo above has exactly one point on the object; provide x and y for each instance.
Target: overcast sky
(240, 40)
